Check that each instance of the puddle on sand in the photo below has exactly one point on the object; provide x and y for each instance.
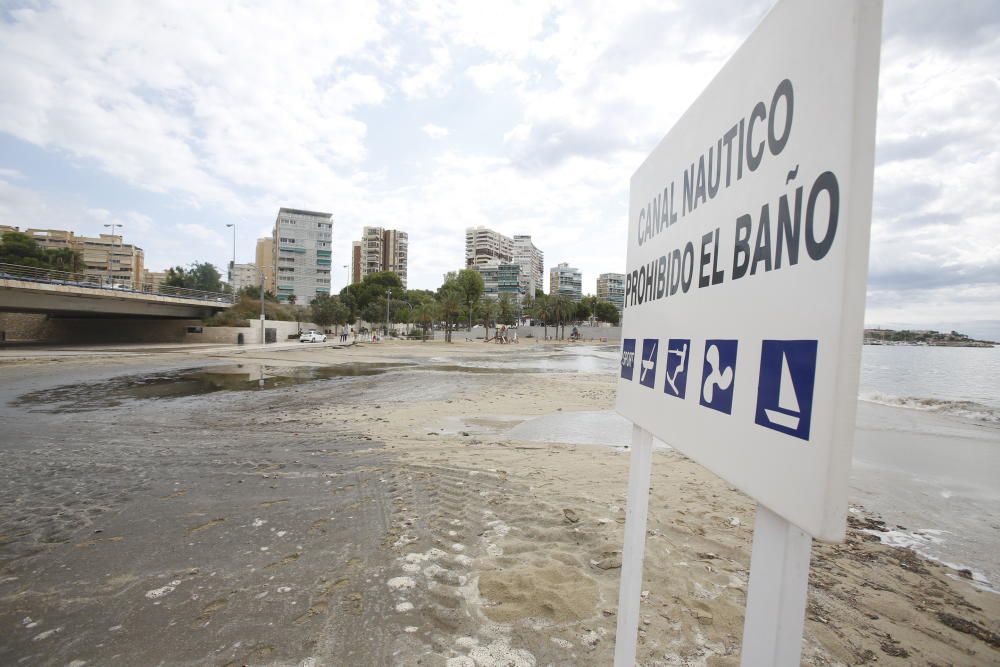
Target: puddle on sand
(602, 427)
(187, 382)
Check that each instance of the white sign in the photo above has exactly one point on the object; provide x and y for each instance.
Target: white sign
(747, 264)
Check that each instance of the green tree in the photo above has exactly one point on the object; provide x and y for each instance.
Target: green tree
(542, 311)
(586, 307)
(367, 298)
(253, 292)
(450, 303)
(373, 311)
(198, 275)
(471, 286)
(605, 311)
(488, 313)
(326, 310)
(563, 309)
(506, 310)
(19, 248)
(425, 315)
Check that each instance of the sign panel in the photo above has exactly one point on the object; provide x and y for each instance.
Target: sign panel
(747, 264)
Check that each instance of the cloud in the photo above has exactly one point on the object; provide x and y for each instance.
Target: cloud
(489, 76)
(201, 233)
(435, 131)
(430, 78)
(226, 113)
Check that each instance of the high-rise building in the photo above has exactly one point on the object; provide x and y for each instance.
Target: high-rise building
(265, 261)
(245, 275)
(485, 246)
(302, 254)
(104, 255)
(532, 262)
(564, 280)
(501, 279)
(396, 249)
(379, 250)
(611, 287)
(356, 262)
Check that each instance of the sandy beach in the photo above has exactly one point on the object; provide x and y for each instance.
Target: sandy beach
(383, 514)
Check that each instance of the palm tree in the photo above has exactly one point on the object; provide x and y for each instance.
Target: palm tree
(562, 309)
(488, 311)
(542, 310)
(450, 301)
(424, 315)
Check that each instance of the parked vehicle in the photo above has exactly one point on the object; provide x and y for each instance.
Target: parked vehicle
(312, 336)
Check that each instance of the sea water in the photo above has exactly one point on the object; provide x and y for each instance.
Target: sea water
(960, 381)
(926, 455)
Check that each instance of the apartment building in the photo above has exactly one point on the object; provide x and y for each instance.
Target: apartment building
(532, 263)
(265, 262)
(303, 255)
(501, 279)
(356, 276)
(485, 246)
(611, 287)
(565, 280)
(379, 250)
(153, 279)
(105, 255)
(245, 275)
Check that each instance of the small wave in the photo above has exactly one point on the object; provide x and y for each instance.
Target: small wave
(923, 542)
(965, 409)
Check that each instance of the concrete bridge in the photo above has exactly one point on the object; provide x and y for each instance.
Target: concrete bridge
(31, 290)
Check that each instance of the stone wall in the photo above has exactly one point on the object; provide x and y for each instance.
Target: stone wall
(87, 330)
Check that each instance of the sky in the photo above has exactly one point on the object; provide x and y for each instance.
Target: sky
(176, 119)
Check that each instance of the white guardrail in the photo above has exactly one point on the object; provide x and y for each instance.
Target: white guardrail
(93, 281)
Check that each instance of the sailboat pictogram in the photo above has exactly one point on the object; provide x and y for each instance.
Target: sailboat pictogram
(788, 413)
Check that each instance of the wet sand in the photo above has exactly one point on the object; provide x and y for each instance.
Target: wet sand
(388, 519)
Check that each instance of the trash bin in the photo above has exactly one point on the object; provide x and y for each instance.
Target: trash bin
(239, 339)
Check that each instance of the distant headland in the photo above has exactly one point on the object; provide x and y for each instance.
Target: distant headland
(922, 337)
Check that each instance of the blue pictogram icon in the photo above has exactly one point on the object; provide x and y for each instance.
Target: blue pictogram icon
(719, 375)
(628, 358)
(785, 390)
(678, 362)
(647, 376)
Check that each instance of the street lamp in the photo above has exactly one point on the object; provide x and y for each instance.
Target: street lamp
(232, 265)
(113, 226)
(388, 297)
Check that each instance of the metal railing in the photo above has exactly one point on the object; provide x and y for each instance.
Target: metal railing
(97, 281)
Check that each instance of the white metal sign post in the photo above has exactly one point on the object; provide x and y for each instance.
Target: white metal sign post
(744, 299)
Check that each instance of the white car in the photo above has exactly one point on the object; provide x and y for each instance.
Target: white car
(312, 336)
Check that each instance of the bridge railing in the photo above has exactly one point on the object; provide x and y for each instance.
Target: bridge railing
(98, 281)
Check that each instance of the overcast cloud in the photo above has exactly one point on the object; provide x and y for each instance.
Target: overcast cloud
(435, 116)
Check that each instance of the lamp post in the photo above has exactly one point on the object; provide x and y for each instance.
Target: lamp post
(232, 264)
(388, 297)
(113, 226)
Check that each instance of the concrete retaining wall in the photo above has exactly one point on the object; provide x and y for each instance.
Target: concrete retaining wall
(613, 334)
(251, 334)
